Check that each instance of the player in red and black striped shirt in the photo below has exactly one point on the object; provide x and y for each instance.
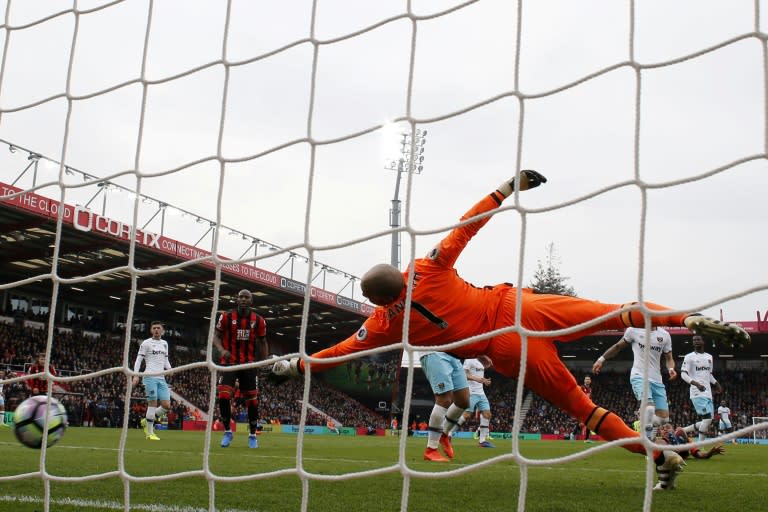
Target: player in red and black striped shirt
(240, 337)
(586, 388)
(39, 385)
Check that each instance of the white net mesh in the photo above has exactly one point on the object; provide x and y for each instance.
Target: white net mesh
(760, 435)
(648, 118)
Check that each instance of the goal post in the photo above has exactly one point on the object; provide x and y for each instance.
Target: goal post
(760, 434)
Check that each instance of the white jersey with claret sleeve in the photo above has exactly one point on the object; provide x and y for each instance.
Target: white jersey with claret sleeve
(155, 355)
(660, 342)
(724, 413)
(698, 366)
(475, 368)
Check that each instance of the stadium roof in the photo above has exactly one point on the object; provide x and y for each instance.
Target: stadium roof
(174, 281)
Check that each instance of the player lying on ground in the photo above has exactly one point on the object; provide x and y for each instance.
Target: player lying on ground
(677, 436)
(444, 308)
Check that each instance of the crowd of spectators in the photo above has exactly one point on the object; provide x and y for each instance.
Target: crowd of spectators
(100, 400)
(282, 402)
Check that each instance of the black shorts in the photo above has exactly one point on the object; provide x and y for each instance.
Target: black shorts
(247, 377)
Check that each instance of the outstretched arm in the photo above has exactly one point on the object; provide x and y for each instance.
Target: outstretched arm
(448, 250)
(608, 354)
(369, 336)
(715, 450)
(377, 330)
(528, 179)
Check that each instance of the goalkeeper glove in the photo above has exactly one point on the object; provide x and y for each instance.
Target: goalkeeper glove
(289, 368)
(528, 179)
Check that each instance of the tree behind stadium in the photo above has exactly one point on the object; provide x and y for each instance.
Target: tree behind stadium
(548, 279)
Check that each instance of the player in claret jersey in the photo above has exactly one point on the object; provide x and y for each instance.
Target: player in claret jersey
(240, 338)
(444, 308)
(677, 436)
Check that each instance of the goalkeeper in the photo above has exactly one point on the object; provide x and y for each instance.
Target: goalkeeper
(444, 308)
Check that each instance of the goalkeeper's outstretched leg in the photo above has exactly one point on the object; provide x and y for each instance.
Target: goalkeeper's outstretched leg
(548, 377)
(731, 335)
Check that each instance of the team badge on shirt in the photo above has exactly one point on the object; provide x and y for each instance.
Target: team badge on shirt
(433, 254)
(362, 334)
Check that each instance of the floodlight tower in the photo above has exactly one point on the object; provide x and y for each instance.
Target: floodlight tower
(411, 160)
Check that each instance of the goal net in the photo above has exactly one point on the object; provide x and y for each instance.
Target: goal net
(760, 434)
(261, 134)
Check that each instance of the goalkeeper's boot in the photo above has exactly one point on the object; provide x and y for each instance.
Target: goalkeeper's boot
(731, 335)
(434, 455)
(143, 424)
(445, 443)
(227, 439)
(252, 441)
(153, 437)
(486, 444)
(668, 471)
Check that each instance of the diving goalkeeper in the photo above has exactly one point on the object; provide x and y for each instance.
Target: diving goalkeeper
(444, 308)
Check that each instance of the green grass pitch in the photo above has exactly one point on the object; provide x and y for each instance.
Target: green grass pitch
(608, 480)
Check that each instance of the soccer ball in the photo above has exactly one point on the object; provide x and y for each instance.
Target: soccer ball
(30, 417)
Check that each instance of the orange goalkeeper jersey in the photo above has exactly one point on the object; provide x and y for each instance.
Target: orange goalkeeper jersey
(444, 307)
